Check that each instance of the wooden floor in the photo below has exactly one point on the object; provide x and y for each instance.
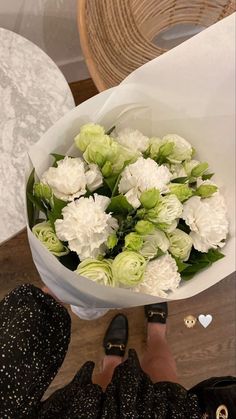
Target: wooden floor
(199, 352)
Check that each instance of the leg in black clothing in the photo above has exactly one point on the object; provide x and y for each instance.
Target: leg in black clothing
(34, 337)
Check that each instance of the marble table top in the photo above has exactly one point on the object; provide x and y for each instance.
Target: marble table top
(33, 96)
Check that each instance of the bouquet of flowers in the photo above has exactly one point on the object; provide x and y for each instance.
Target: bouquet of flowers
(126, 210)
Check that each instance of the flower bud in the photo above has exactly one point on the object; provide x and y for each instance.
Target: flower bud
(150, 198)
(112, 241)
(199, 169)
(144, 227)
(42, 191)
(205, 191)
(182, 191)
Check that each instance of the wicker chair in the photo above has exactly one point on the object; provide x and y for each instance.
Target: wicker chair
(117, 35)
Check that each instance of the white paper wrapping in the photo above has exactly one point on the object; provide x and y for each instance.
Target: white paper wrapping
(190, 91)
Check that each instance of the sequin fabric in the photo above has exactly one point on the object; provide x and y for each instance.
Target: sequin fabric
(34, 337)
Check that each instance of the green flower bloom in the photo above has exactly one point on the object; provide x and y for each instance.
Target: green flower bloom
(166, 211)
(88, 133)
(199, 169)
(154, 243)
(43, 191)
(205, 191)
(180, 244)
(182, 191)
(144, 227)
(133, 241)
(150, 198)
(45, 233)
(112, 241)
(97, 270)
(128, 268)
(100, 151)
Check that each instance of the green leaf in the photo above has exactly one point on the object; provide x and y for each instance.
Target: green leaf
(111, 182)
(109, 131)
(29, 203)
(70, 261)
(56, 211)
(119, 205)
(38, 204)
(57, 158)
(199, 261)
(183, 226)
(183, 179)
(207, 176)
(181, 265)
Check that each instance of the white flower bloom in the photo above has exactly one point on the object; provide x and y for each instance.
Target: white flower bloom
(86, 226)
(171, 227)
(182, 148)
(140, 176)
(161, 275)
(132, 139)
(153, 242)
(177, 170)
(93, 177)
(67, 180)
(207, 219)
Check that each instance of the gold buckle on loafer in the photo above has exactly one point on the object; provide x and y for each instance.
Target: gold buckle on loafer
(152, 313)
(113, 345)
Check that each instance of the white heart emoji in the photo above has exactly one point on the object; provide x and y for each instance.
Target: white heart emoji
(205, 320)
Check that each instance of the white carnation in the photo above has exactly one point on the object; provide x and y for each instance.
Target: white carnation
(93, 177)
(161, 275)
(207, 219)
(140, 176)
(67, 180)
(133, 139)
(86, 226)
(182, 149)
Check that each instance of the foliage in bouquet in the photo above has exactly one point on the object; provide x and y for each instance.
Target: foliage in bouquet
(129, 211)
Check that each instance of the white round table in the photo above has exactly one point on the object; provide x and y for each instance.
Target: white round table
(33, 95)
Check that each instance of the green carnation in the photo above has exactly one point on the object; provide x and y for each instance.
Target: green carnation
(88, 133)
(182, 191)
(97, 270)
(133, 241)
(144, 227)
(128, 268)
(150, 198)
(180, 244)
(45, 233)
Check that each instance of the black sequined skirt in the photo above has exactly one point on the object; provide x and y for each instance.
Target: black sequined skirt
(34, 337)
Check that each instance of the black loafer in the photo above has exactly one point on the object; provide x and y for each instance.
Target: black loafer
(156, 313)
(116, 336)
